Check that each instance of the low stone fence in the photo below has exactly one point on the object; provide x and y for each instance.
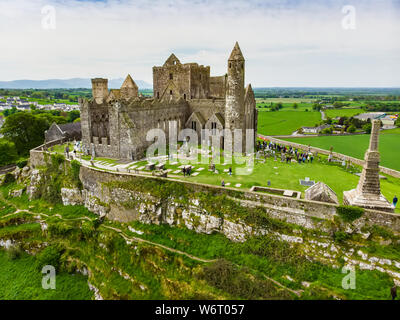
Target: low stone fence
(302, 135)
(8, 168)
(340, 156)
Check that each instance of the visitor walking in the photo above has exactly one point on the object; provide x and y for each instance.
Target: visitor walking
(395, 201)
(230, 171)
(223, 183)
(184, 171)
(67, 151)
(393, 292)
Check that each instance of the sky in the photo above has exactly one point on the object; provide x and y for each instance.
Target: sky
(286, 43)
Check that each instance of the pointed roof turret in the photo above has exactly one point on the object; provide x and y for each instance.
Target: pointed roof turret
(172, 60)
(129, 83)
(236, 53)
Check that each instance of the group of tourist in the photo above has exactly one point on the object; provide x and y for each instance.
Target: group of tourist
(287, 153)
(77, 147)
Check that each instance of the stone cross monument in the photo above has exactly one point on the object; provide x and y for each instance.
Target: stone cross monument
(368, 192)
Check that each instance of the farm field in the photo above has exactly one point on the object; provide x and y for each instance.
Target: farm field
(285, 122)
(333, 113)
(286, 100)
(355, 146)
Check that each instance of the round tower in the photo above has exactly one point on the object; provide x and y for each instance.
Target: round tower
(234, 108)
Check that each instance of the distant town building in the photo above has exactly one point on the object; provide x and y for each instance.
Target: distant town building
(389, 121)
(315, 130)
(370, 116)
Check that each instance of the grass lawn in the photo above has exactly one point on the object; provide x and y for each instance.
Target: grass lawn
(333, 113)
(21, 280)
(355, 146)
(287, 176)
(285, 122)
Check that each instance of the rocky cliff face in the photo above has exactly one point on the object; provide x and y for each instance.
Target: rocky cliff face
(126, 205)
(316, 237)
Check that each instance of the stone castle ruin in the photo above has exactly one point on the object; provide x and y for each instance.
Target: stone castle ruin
(115, 123)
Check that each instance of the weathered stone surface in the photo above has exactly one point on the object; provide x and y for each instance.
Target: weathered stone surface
(321, 192)
(16, 193)
(25, 172)
(115, 124)
(32, 189)
(71, 197)
(17, 173)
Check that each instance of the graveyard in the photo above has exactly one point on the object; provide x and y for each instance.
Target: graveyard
(257, 170)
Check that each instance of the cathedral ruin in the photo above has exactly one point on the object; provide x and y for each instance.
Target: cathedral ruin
(115, 122)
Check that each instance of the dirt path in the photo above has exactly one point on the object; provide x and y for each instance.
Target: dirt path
(128, 238)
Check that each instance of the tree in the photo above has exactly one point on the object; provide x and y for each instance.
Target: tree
(351, 129)
(25, 130)
(73, 115)
(327, 131)
(8, 152)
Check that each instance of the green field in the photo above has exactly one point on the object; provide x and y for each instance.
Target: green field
(285, 122)
(356, 146)
(286, 100)
(20, 279)
(333, 113)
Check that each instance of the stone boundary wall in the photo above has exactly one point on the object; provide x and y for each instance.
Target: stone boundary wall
(317, 135)
(7, 168)
(391, 172)
(37, 155)
(306, 213)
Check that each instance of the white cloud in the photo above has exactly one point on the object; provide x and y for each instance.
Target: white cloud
(286, 43)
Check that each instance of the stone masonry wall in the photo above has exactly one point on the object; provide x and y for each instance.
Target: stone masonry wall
(309, 214)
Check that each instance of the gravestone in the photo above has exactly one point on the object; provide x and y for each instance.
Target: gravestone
(160, 166)
(306, 182)
(150, 166)
(288, 193)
